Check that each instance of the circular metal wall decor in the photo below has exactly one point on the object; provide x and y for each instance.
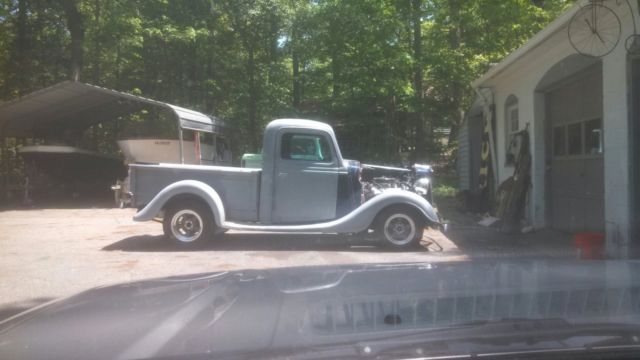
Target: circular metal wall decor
(594, 30)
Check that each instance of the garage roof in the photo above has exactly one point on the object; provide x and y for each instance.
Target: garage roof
(77, 105)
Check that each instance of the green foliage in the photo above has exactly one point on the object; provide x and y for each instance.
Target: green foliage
(446, 184)
(444, 191)
(352, 62)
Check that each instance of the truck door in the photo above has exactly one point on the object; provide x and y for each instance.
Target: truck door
(306, 178)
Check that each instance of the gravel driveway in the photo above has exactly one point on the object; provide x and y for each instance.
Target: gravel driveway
(48, 253)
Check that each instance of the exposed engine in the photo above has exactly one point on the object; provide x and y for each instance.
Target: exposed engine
(377, 179)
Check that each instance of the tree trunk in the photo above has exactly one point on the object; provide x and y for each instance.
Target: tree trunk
(22, 47)
(455, 39)
(118, 68)
(335, 73)
(419, 141)
(75, 25)
(295, 59)
(334, 53)
(391, 146)
(97, 50)
(253, 94)
(209, 100)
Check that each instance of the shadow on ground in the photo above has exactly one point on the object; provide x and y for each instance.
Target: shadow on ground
(464, 237)
(67, 204)
(255, 242)
(477, 241)
(8, 310)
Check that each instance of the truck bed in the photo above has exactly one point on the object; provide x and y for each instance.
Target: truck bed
(239, 188)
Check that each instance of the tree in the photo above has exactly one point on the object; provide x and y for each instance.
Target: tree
(384, 73)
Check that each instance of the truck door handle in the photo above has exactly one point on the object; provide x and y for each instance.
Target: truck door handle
(282, 174)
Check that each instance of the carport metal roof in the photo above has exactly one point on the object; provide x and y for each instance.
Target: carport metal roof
(77, 105)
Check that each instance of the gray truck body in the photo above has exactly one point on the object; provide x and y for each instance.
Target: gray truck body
(239, 188)
(297, 189)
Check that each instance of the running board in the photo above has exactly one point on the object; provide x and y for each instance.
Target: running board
(300, 229)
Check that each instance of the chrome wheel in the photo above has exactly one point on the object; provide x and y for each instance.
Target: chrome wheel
(399, 229)
(186, 225)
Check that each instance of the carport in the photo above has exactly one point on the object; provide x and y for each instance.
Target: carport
(71, 107)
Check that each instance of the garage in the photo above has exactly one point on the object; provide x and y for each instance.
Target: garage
(579, 110)
(575, 152)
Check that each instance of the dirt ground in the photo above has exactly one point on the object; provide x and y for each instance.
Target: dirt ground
(49, 253)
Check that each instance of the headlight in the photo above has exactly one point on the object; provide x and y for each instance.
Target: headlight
(422, 182)
(421, 186)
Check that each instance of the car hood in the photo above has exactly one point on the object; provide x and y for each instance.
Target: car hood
(256, 310)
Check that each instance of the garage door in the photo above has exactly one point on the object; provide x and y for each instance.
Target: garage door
(576, 174)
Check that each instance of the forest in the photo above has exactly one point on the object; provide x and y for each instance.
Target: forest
(392, 76)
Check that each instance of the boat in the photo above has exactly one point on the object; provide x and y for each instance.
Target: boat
(168, 151)
(209, 147)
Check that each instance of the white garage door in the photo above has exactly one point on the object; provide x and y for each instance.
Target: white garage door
(576, 174)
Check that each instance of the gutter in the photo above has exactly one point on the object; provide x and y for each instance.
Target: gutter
(551, 29)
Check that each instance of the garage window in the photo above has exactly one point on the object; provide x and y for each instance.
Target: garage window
(578, 139)
(512, 126)
(574, 137)
(559, 141)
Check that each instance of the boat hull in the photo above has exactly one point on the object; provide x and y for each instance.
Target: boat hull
(155, 151)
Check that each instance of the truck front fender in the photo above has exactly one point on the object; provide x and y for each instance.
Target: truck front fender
(184, 187)
(366, 213)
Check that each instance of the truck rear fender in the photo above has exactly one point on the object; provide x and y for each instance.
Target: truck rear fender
(193, 188)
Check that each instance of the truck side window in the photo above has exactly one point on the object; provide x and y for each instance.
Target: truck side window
(305, 147)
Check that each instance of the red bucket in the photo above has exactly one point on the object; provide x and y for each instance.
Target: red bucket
(590, 245)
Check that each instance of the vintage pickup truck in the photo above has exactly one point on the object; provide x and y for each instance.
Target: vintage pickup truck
(303, 186)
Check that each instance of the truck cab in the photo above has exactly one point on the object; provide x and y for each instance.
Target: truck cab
(304, 178)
